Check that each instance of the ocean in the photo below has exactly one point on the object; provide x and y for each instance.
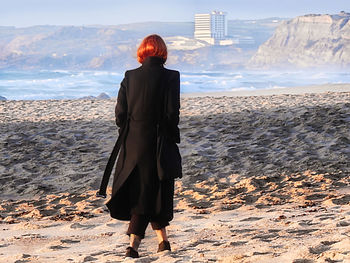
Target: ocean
(67, 84)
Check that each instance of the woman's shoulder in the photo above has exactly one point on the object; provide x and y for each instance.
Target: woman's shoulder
(172, 72)
(136, 71)
(131, 71)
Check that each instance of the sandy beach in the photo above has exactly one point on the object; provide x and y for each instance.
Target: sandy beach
(266, 179)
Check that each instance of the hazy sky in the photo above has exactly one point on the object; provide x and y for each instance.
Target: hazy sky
(107, 12)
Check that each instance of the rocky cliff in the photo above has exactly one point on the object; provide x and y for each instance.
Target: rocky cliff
(310, 41)
(99, 47)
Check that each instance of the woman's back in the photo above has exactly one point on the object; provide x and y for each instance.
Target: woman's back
(138, 193)
(144, 90)
(143, 96)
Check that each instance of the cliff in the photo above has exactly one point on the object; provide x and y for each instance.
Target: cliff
(310, 41)
(114, 47)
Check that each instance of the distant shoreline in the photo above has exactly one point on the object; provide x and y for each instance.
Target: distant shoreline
(81, 84)
(344, 87)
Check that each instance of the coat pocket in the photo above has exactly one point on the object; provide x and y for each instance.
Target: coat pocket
(169, 161)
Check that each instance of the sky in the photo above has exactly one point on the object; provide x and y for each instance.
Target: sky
(23, 13)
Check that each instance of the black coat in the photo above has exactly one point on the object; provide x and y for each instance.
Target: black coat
(136, 187)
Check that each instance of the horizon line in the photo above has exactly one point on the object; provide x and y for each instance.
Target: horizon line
(140, 22)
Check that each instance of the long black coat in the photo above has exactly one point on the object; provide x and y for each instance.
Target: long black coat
(136, 187)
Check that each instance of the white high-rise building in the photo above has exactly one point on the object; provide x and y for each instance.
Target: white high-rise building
(211, 28)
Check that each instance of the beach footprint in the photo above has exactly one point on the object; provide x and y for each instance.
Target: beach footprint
(89, 259)
(81, 226)
(69, 241)
(319, 249)
(57, 247)
(343, 223)
(303, 260)
(253, 218)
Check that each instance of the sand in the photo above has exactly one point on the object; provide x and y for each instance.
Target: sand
(266, 179)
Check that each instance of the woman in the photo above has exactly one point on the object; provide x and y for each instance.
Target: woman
(137, 194)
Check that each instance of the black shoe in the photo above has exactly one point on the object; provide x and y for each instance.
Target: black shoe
(131, 253)
(165, 245)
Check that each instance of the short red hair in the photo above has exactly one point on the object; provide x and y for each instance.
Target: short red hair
(152, 45)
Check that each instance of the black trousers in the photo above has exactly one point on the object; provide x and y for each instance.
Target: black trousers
(139, 223)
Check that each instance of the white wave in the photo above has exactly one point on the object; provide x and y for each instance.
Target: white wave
(48, 84)
(243, 88)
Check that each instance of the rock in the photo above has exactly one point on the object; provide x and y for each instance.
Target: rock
(2, 98)
(103, 96)
(307, 41)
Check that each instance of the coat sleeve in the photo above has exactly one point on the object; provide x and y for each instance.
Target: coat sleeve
(173, 110)
(121, 109)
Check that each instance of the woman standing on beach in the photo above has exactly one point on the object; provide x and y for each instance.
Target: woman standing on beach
(138, 195)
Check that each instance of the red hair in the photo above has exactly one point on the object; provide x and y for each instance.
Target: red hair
(152, 45)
